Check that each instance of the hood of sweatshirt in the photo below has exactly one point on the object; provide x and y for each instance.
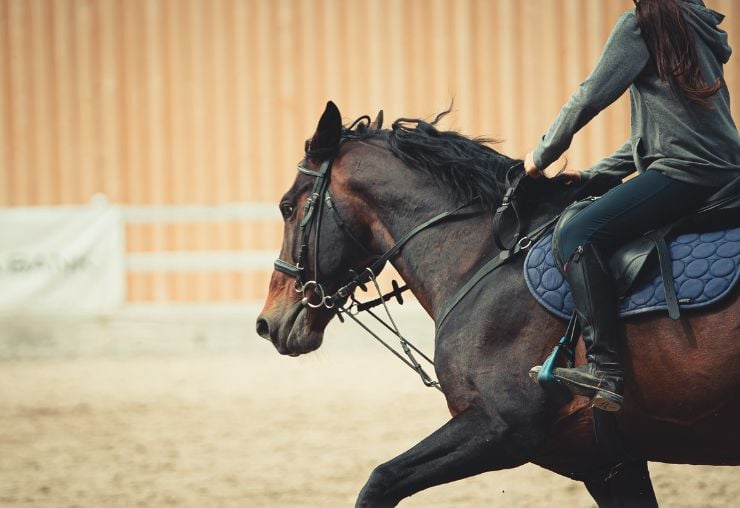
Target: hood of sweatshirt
(705, 22)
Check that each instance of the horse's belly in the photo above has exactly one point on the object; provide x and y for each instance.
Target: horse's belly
(712, 440)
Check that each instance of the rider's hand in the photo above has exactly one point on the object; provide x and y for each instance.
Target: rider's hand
(571, 177)
(530, 168)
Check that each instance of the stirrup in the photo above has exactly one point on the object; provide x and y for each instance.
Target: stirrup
(543, 374)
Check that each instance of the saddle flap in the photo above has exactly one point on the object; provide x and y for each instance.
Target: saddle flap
(628, 261)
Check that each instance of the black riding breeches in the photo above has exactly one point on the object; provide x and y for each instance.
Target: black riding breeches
(648, 201)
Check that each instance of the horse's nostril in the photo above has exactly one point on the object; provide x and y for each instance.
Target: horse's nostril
(263, 329)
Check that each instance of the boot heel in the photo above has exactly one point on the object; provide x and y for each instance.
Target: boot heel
(607, 401)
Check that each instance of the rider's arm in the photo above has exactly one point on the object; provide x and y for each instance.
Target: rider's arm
(623, 58)
(621, 163)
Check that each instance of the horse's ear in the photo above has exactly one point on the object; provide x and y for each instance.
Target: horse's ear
(325, 140)
(377, 124)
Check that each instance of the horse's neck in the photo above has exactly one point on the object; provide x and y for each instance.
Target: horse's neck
(438, 261)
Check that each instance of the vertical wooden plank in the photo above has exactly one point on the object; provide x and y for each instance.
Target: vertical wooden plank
(486, 26)
(507, 41)
(85, 170)
(461, 35)
(529, 79)
(395, 74)
(267, 109)
(19, 103)
(438, 89)
(200, 47)
(542, 62)
(376, 71)
(6, 118)
(177, 145)
(153, 122)
(575, 71)
(109, 110)
(287, 81)
(134, 111)
(135, 107)
(66, 127)
(221, 158)
(262, 99)
(155, 131)
(42, 111)
(243, 100)
(243, 95)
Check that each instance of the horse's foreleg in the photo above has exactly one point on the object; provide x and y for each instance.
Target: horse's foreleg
(627, 485)
(470, 443)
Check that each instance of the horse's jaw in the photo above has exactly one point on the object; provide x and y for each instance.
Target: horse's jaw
(294, 331)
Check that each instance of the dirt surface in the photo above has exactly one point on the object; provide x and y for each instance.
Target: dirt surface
(242, 426)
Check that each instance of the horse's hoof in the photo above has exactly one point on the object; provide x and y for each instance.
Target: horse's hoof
(534, 372)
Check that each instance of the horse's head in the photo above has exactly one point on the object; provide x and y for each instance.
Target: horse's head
(323, 239)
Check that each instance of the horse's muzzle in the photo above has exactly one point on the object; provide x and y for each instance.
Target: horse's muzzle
(263, 328)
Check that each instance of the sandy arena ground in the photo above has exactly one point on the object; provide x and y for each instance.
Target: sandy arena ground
(200, 419)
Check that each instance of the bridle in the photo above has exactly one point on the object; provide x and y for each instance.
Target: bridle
(313, 213)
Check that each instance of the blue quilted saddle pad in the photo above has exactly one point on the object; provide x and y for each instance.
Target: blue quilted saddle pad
(705, 269)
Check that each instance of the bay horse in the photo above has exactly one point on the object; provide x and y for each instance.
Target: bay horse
(682, 377)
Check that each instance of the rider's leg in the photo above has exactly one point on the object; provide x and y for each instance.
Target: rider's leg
(645, 202)
(595, 301)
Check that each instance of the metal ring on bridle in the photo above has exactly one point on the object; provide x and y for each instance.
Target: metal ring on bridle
(525, 242)
(318, 289)
(328, 302)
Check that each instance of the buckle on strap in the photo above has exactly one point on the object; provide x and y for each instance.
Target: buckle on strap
(287, 268)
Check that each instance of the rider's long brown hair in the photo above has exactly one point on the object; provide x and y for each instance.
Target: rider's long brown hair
(670, 40)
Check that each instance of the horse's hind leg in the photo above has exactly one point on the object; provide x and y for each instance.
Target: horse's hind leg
(627, 485)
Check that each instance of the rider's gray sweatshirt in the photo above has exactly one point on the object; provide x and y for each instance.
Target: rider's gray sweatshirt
(668, 132)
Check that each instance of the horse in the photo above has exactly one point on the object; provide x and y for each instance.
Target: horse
(380, 184)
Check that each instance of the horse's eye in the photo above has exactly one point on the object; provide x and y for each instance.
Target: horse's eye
(286, 209)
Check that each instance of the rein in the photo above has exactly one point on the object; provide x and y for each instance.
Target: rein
(313, 211)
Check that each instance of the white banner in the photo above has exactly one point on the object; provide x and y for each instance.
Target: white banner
(66, 259)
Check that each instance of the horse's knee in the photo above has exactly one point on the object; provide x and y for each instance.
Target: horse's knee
(375, 493)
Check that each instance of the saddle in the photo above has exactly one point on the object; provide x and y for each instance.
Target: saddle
(704, 250)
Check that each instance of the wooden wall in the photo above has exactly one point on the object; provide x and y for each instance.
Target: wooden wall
(191, 114)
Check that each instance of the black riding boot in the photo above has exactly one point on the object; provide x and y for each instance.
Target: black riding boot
(595, 301)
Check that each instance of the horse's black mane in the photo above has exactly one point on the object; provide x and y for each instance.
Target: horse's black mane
(468, 167)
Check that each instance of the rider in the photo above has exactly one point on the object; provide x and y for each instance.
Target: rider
(683, 145)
